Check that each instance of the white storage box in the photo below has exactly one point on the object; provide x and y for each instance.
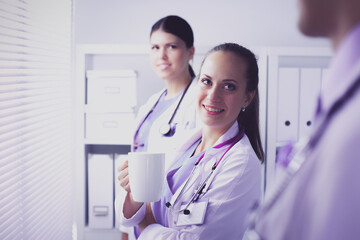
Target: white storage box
(114, 90)
(110, 127)
(100, 183)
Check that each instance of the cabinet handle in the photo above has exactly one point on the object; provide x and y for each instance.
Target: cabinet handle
(100, 210)
(112, 90)
(111, 124)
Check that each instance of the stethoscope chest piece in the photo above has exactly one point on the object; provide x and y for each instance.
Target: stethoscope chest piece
(167, 130)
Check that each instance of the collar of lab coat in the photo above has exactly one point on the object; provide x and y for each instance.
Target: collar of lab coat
(230, 133)
(209, 154)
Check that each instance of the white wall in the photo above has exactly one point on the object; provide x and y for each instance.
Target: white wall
(253, 23)
(248, 22)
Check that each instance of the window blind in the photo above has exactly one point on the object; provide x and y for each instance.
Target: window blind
(36, 141)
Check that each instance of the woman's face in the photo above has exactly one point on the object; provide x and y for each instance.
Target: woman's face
(169, 55)
(222, 90)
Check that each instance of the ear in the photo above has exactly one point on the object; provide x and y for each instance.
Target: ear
(249, 98)
(191, 52)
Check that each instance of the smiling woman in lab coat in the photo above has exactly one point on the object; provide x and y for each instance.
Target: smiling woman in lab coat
(169, 113)
(229, 143)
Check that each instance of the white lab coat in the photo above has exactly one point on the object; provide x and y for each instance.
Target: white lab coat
(235, 187)
(185, 120)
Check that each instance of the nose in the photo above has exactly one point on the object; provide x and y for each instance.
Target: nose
(214, 94)
(163, 53)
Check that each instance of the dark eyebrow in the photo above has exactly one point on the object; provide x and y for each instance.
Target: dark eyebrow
(172, 43)
(230, 80)
(166, 44)
(205, 75)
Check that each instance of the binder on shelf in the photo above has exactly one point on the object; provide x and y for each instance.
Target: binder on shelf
(288, 104)
(100, 191)
(310, 86)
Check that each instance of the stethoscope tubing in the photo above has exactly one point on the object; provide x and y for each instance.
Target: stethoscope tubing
(154, 106)
(200, 189)
(178, 105)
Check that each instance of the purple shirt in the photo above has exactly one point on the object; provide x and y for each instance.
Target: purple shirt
(142, 133)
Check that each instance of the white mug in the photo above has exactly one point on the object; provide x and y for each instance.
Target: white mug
(146, 175)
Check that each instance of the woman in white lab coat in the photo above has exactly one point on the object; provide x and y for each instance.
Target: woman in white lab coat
(170, 113)
(216, 177)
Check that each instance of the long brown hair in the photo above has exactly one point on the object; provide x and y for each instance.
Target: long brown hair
(248, 119)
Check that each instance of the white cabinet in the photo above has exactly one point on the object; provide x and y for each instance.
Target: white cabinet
(108, 122)
(107, 100)
(295, 77)
(110, 104)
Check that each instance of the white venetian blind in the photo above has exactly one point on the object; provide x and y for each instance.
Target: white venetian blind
(36, 143)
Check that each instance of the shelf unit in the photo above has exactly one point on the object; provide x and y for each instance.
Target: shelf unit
(106, 57)
(272, 62)
(295, 77)
(94, 117)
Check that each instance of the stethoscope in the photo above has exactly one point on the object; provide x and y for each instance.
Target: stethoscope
(167, 130)
(299, 158)
(200, 190)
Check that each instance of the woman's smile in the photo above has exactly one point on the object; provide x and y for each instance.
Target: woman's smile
(222, 90)
(212, 110)
(164, 66)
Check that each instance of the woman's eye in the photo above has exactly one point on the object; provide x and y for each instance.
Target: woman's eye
(154, 47)
(172, 46)
(206, 81)
(230, 87)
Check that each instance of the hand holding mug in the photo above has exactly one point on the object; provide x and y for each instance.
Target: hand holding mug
(145, 175)
(123, 176)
